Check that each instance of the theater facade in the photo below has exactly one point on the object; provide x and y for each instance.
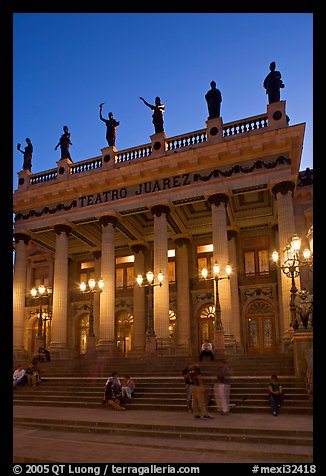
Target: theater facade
(228, 194)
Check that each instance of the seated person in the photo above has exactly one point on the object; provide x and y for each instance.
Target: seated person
(116, 382)
(42, 357)
(206, 349)
(112, 398)
(33, 375)
(128, 387)
(275, 394)
(19, 376)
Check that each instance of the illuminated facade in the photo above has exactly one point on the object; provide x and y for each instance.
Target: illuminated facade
(229, 193)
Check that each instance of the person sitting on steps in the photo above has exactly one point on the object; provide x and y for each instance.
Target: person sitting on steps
(206, 350)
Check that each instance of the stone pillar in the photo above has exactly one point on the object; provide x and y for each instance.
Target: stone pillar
(19, 295)
(283, 192)
(158, 144)
(302, 341)
(139, 307)
(108, 157)
(183, 297)
(218, 203)
(161, 293)
(235, 305)
(276, 115)
(106, 343)
(58, 344)
(214, 130)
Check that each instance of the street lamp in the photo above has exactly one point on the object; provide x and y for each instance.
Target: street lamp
(291, 267)
(216, 277)
(39, 293)
(148, 281)
(91, 288)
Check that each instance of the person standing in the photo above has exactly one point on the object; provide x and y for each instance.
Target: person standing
(158, 109)
(273, 83)
(64, 144)
(27, 153)
(214, 99)
(222, 387)
(206, 350)
(275, 394)
(111, 126)
(188, 384)
(198, 393)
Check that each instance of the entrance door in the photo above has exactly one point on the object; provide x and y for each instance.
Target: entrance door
(260, 327)
(206, 325)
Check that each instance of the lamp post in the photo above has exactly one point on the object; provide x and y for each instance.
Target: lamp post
(291, 267)
(91, 288)
(148, 281)
(39, 293)
(218, 325)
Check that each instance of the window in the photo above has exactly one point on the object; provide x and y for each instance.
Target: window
(204, 258)
(256, 262)
(124, 272)
(86, 271)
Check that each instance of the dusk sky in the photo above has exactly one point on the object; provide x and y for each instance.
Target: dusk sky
(66, 64)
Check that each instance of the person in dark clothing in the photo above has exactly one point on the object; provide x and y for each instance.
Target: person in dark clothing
(188, 384)
(275, 394)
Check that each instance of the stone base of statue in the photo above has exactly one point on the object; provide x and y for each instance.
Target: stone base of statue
(158, 144)
(23, 180)
(214, 130)
(218, 344)
(91, 346)
(302, 341)
(276, 115)
(108, 157)
(150, 346)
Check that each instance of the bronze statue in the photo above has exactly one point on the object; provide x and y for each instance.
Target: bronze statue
(157, 115)
(273, 83)
(64, 143)
(111, 126)
(28, 152)
(214, 99)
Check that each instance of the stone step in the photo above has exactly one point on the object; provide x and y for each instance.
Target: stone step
(212, 433)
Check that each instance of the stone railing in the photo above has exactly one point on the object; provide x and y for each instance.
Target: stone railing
(190, 139)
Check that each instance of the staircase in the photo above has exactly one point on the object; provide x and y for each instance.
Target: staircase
(159, 383)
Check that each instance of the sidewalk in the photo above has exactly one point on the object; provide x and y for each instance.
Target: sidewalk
(45, 445)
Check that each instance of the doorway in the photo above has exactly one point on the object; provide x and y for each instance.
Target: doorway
(260, 327)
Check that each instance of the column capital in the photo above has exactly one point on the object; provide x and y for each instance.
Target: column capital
(217, 199)
(97, 254)
(22, 237)
(138, 246)
(232, 234)
(105, 220)
(157, 210)
(182, 239)
(61, 228)
(283, 187)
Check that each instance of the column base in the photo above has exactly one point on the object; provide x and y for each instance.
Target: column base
(219, 344)
(91, 347)
(20, 355)
(60, 353)
(165, 348)
(302, 341)
(108, 350)
(230, 344)
(151, 345)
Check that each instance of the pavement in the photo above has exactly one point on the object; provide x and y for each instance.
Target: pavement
(56, 446)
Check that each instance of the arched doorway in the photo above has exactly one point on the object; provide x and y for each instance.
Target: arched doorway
(206, 324)
(260, 328)
(124, 331)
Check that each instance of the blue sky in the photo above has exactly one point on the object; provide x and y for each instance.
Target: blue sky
(66, 64)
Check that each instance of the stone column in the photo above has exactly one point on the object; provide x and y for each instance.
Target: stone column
(58, 345)
(235, 305)
(161, 293)
(95, 297)
(19, 294)
(183, 297)
(218, 203)
(106, 343)
(283, 192)
(139, 308)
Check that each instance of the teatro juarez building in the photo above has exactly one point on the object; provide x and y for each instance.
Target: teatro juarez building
(228, 194)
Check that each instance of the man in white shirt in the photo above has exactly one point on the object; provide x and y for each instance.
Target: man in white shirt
(19, 376)
(206, 349)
